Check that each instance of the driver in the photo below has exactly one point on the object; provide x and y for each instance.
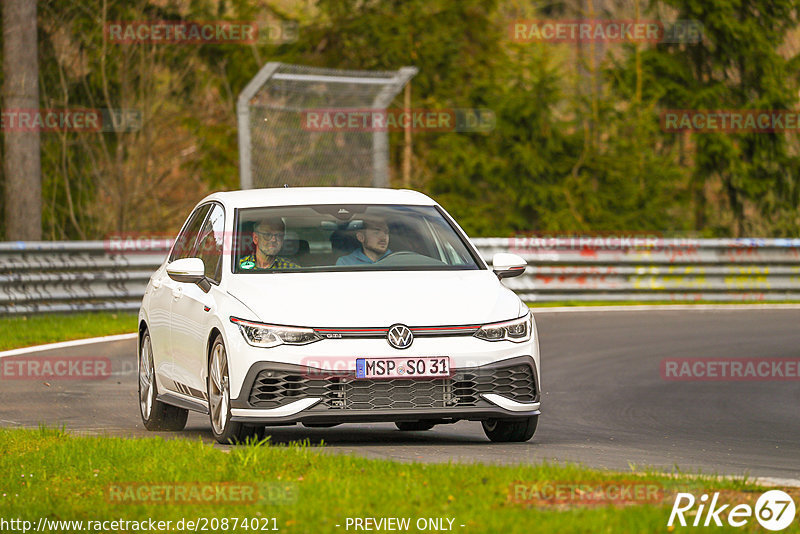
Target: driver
(374, 239)
(268, 237)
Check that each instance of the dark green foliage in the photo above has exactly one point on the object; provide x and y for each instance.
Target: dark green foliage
(741, 63)
(560, 158)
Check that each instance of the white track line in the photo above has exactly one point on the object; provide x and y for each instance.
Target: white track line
(662, 307)
(778, 482)
(66, 344)
(12, 422)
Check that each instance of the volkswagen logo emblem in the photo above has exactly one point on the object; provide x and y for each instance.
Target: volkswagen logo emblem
(400, 336)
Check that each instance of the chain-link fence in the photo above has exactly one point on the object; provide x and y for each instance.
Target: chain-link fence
(277, 147)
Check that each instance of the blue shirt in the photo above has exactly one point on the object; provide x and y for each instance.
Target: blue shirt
(357, 257)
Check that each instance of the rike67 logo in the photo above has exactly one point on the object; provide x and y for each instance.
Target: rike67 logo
(774, 510)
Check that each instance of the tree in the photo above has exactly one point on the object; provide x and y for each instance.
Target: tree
(21, 163)
(742, 183)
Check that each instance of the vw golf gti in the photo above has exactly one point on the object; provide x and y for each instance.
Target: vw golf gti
(324, 306)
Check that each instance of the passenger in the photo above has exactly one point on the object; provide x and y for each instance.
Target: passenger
(374, 239)
(268, 237)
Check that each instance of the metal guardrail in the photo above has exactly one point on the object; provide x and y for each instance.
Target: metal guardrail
(69, 276)
(649, 269)
(38, 277)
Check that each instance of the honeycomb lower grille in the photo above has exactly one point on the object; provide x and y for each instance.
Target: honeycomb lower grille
(515, 383)
(273, 389)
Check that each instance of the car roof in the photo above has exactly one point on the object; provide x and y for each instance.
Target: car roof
(292, 196)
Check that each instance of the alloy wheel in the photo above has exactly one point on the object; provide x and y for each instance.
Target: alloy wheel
(146, 378)
(219, 393)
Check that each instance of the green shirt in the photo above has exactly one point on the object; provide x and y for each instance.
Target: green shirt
(248, 263)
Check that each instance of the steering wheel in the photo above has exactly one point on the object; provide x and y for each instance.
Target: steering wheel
(400, 253)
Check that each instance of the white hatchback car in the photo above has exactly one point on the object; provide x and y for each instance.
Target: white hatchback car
(334, 305)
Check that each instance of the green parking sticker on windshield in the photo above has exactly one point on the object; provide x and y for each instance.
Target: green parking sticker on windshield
(247, 264)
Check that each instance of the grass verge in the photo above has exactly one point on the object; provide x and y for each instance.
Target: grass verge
(51, 474)
(17, 332)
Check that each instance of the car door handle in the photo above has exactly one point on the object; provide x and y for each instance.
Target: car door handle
(177, 293)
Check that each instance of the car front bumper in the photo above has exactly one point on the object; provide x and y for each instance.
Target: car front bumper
(285, 393)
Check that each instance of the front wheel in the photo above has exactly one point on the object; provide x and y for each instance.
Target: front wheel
(219, 400)
(510, 430)
(156, 415)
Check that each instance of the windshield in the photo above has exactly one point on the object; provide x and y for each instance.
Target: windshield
(347, 238)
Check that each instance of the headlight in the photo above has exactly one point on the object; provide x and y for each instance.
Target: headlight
(518, 330)
(266, 335)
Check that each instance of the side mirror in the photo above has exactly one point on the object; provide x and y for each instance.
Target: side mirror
(189, 270)
(507, 265)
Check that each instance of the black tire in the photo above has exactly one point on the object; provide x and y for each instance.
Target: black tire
(162, 416)
(408, 426)
(510, 430)
(224, 430)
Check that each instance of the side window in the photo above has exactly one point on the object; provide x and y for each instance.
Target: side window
(186, 239)
(209, 244)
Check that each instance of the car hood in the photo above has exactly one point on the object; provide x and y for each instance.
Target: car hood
(363, 299)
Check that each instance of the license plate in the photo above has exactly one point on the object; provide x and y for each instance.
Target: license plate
(402, 367)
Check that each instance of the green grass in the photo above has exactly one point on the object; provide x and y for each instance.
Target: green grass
(16, 332)
(49, 473)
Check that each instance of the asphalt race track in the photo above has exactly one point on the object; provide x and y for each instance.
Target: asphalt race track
(605, 403)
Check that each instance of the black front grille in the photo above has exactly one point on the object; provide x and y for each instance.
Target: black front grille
(276, 388)
(273, 388)
(515, 382)
(396, 393)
